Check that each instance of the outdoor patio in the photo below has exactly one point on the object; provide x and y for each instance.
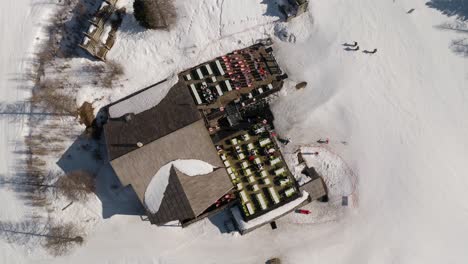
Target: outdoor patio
(257, 170)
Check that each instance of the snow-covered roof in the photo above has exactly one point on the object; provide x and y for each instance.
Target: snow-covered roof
(144, 100)
(191, 142)
(175, 194)
(154, 116)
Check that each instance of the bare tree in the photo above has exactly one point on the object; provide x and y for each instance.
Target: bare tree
(115, 68)
(48, 95)
(21, 232)
(60, 238)
(76, 185)
(155, 14)
(112, 72)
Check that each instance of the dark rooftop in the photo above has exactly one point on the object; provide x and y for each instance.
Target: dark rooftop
(175, 205)
(315, 188)
(186, 197)
(175, 111)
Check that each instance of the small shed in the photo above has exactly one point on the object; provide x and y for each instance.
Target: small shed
(315, 188)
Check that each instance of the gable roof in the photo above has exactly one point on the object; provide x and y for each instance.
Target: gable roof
(139, 166)
(186, 197)
(204, 190)
(174, 112)
(175, 205)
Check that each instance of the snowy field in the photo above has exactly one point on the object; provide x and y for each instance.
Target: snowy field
(396, 120)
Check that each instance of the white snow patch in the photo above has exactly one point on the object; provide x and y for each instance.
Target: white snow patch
(154, 193)
(297, 30)
(338, 177)
(105, 32)
(193, 167)
(144, 100)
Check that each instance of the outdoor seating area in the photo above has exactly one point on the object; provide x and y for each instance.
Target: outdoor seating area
(101, 33)
(257, 170)
(229, 92)
(240, 75)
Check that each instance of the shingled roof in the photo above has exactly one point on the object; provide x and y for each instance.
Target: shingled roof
(187, 197)
(190, 142)
(204, 190)
(175, 204)
(171, 130)
(175, 111)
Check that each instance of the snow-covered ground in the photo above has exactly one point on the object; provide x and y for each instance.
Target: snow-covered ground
(20, 29)
(397, 119)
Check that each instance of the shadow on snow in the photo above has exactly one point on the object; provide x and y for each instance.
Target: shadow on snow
(90, 155)
(459, 10)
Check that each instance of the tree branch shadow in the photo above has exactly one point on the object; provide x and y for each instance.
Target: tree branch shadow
(460, 45)
(56, 238)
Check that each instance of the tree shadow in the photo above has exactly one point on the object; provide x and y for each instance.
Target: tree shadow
(88, 154)
(460, 46)
(75, 27)
(458, 8)
(130, 25)
(273, 8)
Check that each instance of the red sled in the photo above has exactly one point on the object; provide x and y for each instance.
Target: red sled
(302, 211)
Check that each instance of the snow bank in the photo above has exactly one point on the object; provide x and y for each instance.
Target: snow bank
(154, 193)
(338, 177)
(193, 167)
(268, 217)
(144, 100)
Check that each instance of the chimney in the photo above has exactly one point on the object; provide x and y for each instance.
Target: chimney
(139, 144)
(128, 117)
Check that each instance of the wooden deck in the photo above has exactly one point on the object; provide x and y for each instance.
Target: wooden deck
(93, 42)
(241, 75)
